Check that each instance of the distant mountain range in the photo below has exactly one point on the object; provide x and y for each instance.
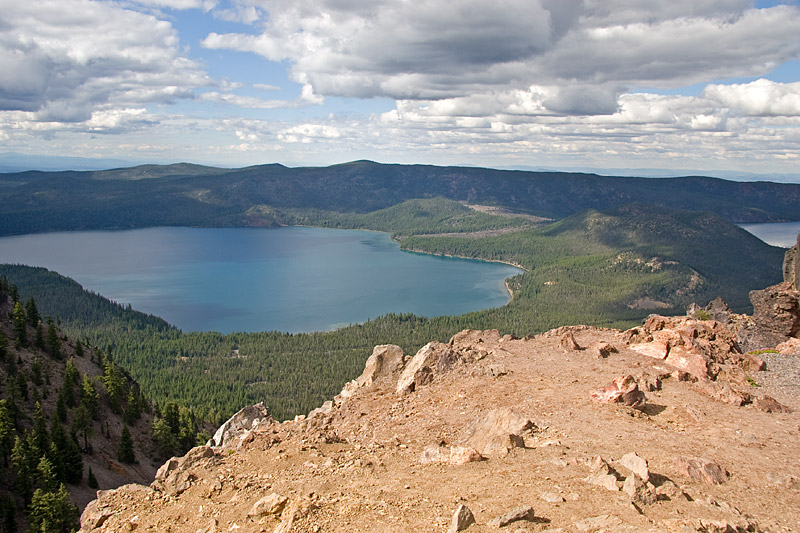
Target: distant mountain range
(194, 195)
(16, 162)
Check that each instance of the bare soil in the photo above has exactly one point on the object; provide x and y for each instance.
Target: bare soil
(357, 468)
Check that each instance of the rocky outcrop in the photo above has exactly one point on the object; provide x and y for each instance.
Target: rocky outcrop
(458, 434)
(386, 359)
(791, 266)
(241, 423)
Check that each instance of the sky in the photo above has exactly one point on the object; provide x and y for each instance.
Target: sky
(684, 84)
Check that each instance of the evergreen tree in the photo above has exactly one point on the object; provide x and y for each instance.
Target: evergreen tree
(89, 397)
(38, 339)
(52, 512)
(46, 473)
(53, 342)
(91, 480)
(7, 432)
(36, 371)
(132, 408)
(82, 424)
(20, 324)
(8, 513)
(78, 348)
(164, 437)
(20, 461)
(32, 312)
(41, 437)
(125, 452)
(71, 374)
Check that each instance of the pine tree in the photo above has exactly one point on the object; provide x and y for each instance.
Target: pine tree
(7, 432)
(20, 324)
(53, 342)
(47, 475)
(78, 348)
(52, 512)
(32, 312)
(91, 480)
(125, 452)
(89, 396)
(82, 423)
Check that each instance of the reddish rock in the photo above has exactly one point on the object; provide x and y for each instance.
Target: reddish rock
(701, 470)
(656, 349)
(601, 349)
(623, 389)
(723, 392)
(688, 361)
(768, 404)
(776, 310)
(752, 363)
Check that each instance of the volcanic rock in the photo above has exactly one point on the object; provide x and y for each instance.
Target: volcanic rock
(497, 431)
(701, 470)
(791, 266)
(462, 519)
(386, 359)
(243, 421)
(623, 389)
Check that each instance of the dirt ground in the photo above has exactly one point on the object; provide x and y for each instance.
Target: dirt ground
(358, 467)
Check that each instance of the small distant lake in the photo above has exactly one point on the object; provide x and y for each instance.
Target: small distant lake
(782, 234)
(257, 279)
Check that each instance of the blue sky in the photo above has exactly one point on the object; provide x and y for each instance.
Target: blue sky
(694, 85)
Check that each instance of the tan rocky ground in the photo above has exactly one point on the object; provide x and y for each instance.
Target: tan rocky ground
(379, 459)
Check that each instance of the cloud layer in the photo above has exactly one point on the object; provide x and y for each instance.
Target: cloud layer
(511, 81)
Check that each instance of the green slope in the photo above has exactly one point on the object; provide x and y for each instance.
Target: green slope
(592, 268)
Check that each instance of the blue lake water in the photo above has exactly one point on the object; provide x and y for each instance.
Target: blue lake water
(256, 279)
(782, 234)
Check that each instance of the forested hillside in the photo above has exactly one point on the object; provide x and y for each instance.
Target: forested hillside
(71, 419)
(601, 268)
(191, 195)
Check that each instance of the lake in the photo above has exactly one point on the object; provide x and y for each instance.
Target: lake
(783, 234)
(292, 279)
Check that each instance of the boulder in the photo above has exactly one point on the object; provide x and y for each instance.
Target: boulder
(175, 476)
(776, 310)
(94, 516)
(768, 404)
(243, 421)
(719, 310)
(386, 359)
(701, 470)
(601, 349)
(433, 358)
(271, 504)
(639, 490)
(568, 342)
(456, 455)
(623, 389)
(637, 465)
(514, 515)
(497, 431)
(791, 266)
(462, 519)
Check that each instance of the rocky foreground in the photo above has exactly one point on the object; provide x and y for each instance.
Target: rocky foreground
(665, 427)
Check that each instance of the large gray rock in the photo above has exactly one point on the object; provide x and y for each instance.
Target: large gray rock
(240, 423)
